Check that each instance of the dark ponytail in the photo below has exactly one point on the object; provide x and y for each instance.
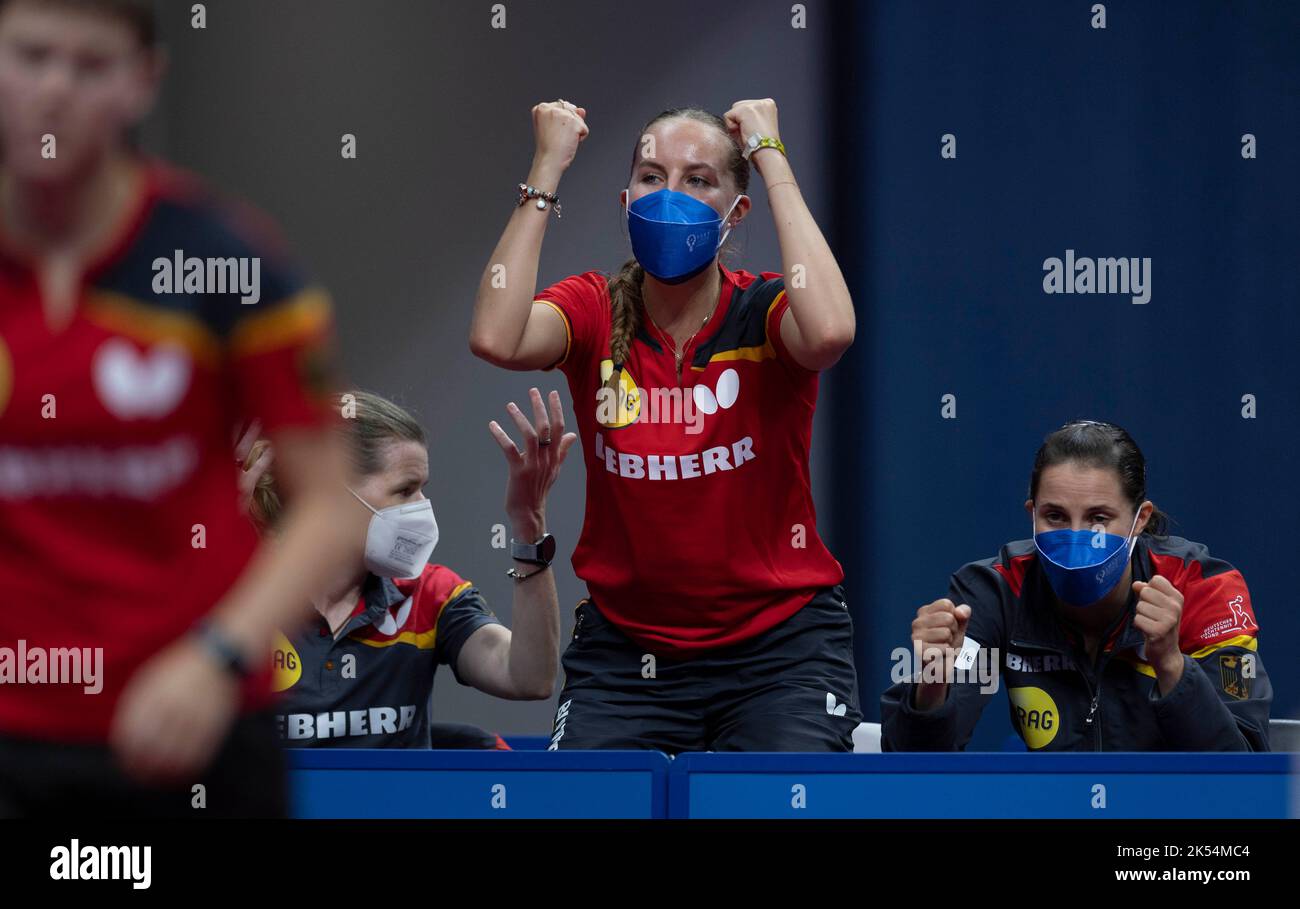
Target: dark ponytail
(1103, 445)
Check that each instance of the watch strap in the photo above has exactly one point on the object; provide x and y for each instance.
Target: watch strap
(520, 576)
(756, 142)
(530, 552)
(222, 648)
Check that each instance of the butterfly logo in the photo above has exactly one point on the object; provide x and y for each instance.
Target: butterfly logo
(136, 385)
(723, 395)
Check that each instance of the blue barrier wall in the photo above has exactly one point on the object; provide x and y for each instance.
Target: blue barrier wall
(981, 786)
(383, 783)
(1126, 142)
(466, 783)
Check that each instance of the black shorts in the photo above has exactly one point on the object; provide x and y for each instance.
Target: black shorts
(55, 780)
(792, 688)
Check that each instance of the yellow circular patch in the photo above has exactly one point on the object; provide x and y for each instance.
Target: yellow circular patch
(6, 375)
(614, 414)
(1036, 715)
(285, 664)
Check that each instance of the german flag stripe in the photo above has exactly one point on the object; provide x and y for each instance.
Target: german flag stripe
(305, 314)
(568, 333)
(148, 324)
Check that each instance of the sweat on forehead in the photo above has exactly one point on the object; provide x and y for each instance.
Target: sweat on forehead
(685, 141)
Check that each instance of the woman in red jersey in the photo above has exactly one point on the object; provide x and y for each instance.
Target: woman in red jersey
(715, 619)
(137, 609)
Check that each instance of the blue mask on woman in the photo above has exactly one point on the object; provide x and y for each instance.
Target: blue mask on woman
(674, 235)
(1083, 565)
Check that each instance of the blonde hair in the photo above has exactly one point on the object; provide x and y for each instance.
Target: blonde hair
(265, 506)
(625, 309)
(373, 424)
(626, 304)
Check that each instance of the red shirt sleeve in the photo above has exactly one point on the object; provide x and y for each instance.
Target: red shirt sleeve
(776, 312)
(583, 302)
(1216, 608)
(803, 379)
(278, 348)
(282, 361)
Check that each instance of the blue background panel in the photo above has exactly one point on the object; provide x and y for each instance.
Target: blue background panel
(1122, 141)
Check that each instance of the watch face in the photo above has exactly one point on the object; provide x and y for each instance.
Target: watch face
(546, 549)
(753, 141)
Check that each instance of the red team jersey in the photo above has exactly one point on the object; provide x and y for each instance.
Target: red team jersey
(700, 529)
(119, 517)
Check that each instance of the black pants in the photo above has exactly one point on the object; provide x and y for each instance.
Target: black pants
(57, 780)
(792, 688)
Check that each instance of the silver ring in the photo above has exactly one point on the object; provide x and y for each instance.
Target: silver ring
(546, 441)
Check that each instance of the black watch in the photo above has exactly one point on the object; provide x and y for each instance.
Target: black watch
(217, 643)
(539, 553)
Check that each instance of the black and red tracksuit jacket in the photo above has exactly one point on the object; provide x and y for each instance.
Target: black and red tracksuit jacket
(1060, 700)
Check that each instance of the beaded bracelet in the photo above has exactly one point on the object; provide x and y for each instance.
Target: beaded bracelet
(527, 192)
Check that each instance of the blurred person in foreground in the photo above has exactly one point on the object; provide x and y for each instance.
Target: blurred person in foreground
(140, 321)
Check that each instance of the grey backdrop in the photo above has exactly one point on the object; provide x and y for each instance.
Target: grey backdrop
(439, 102)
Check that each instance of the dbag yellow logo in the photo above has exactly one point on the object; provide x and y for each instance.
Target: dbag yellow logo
(1036, 715)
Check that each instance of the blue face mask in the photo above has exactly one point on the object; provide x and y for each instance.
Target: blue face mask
(1083, 565)
(674, 235)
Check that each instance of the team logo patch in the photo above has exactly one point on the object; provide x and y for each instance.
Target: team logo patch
(286, 665)
(6, 375)
(134, 385)
(1239, 619)
(708, 400)
(1036, 716)
(391, 624)
(615, 414)
(1234, 682)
